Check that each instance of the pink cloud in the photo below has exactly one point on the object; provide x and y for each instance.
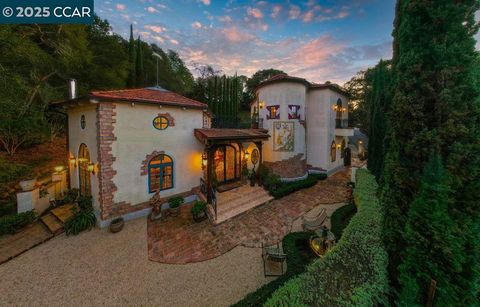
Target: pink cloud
(174, 41)
(156, 29)
(205, 2)
(308, 17)
(254, 12)
(120, 7)
(294, 12)
(276, 9)
(196, 25)
(232, 34)
(151, 9)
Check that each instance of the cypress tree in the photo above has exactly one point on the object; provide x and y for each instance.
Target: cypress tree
(132, 76)
(139, 64)
(435, 108)
(433, 251)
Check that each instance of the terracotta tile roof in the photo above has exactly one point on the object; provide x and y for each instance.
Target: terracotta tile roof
(226, 134)
(155, 95)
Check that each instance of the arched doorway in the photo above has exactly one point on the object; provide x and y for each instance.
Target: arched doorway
(85, 186)
(226, 164)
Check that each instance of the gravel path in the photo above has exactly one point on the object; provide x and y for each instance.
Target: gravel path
(100, 268)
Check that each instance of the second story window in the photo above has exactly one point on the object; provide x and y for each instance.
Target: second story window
(293, 111)
(273, 112)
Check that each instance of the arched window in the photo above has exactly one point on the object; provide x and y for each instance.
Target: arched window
(160, 173)
(342, 149)
(333, 151)
(83, 173)
(339, 108)
(160, 122)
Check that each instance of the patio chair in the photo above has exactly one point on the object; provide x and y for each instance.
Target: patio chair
(314, 223)
(273, 254)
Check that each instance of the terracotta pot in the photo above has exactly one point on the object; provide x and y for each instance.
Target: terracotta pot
(28, 185)
(175, 211)
(116, 225)
(200, 217)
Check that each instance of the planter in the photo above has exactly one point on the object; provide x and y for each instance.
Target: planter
(28, 185)
(200, 216)
(175, 211)
(116, 225)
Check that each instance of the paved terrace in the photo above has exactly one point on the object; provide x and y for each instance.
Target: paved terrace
(178, 240)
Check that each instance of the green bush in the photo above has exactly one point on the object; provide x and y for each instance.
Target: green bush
(175, 202)
(320, 176)
(12, 223)
(299, 255)
(340, 219)
(10, 171)
(354, 272)
(286, 188)
(83, 218)
(7, 208)
(198, 207)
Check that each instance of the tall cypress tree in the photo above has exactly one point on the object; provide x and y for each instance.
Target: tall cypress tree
(139, 64)
(132, 76)
(435, 108)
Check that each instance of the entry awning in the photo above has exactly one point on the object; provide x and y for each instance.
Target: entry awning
(220, 135)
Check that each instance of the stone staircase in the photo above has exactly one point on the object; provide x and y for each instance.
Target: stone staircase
(239, 200)
(56, 218)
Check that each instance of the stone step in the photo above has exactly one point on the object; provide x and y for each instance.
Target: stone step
(241, 201)
(237, 210)
(63, 213)
(239, 193)
(53, 223)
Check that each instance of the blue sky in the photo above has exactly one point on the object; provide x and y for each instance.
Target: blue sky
(316, 39)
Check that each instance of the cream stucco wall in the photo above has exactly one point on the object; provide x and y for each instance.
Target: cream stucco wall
(136, 138)
(283, 94)
(88, 136)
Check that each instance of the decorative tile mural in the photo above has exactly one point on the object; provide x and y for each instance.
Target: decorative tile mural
(283, 136)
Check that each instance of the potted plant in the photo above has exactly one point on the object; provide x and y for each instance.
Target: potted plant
(175, 203)
(252, 178)
(199, 211)
(116, 225)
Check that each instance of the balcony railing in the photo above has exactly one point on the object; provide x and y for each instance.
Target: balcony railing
(341, 123)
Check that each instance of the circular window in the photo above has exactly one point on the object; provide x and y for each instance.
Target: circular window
(160, 122)
(82, 122)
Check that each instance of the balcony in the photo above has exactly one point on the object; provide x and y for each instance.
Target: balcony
(341, 127)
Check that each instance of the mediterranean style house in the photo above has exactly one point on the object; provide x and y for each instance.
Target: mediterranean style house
(125, 145)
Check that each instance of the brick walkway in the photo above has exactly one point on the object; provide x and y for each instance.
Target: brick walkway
(179, 240)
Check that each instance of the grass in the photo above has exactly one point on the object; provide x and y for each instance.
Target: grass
(299, 255)
(341, 217)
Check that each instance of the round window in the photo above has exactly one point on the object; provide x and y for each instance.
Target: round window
(160, 122)
(82, 122)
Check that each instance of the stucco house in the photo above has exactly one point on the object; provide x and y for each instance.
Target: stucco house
(124, 145)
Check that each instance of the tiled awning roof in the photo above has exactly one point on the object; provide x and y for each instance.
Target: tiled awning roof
(218, 134)
(155, 95)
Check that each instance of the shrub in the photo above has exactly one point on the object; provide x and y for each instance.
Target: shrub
(354, 272)
(175, 202)
(83, 218)
(286, 188)
(12, 223)
(198, 207)
(320, 176)
(7, 208)
(296, 246)
(13, 171)
(340, 219)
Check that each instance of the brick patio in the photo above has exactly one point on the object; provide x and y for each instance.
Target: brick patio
(178, 240)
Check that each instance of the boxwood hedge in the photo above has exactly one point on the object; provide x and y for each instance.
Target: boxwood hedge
(354, 273)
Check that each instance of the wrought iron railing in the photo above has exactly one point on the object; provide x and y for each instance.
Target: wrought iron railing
(203, 186)
(214, 200)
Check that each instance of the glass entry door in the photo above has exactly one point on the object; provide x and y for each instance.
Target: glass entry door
(225, 164)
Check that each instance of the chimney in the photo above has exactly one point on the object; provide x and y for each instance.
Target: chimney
(72, 89)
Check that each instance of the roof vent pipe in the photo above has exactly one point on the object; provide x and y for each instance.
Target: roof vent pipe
(72, 89)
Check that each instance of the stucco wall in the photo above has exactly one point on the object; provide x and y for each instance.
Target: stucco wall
(283, 94)
(136, 138)
(88, 136)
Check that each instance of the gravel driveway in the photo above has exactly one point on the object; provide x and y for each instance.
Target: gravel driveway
(100, 268)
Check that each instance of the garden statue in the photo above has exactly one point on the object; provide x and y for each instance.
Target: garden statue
(156, 203)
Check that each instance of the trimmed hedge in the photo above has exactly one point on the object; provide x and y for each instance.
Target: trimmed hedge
(340, 219)
(286, 188)
(354, 273)
(299, 255)
(11, 223)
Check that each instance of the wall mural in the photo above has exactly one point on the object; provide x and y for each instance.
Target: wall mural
(283, 136)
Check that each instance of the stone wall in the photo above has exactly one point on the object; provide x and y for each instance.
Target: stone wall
(289, 168)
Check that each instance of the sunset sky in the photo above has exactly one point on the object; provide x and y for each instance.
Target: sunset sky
(316, 39)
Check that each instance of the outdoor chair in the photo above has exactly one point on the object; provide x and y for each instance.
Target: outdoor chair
(314, 223)
(273, 254)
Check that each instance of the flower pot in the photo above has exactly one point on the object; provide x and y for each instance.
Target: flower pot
(116, 225)
(28, 185)
(175, 211)
(200, 216)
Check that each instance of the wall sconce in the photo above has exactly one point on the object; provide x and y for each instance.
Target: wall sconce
(204, 160)
(58, 168)
(338, 146)
(360, 142)
(344, 109)
(334, 107)
(91, 168)
(246, 155)
(73, 161)
(261, 104)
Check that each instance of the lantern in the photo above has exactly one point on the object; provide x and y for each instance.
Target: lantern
(204, 160)
(91, 167)
(246, 155)
(261, 104)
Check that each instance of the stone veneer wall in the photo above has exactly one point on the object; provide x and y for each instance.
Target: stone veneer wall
(289, 168)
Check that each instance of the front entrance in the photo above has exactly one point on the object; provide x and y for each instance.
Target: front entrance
(227, 163)
(83, 173)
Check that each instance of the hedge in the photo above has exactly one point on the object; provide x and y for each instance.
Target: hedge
(286, 188)
(354, 272)
(341, 218)
(295, 245)
(11, 223)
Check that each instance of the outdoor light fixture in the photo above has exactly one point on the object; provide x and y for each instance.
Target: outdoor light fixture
(261, 104)
(204, 160)
(58, 168)
(73, 161)
(91, 168)
(338, 146)
(246, 155)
